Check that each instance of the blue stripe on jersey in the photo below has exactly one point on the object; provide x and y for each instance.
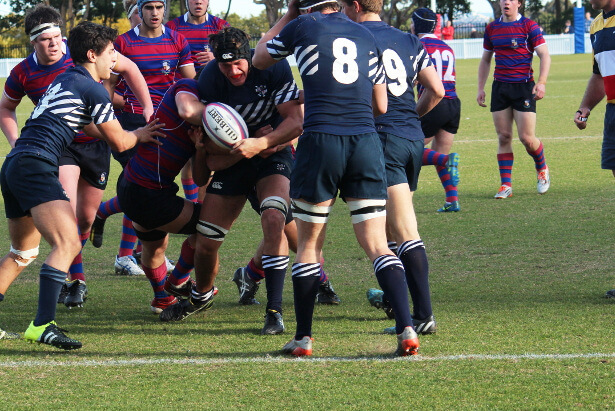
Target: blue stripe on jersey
(513, 43)
(155, 166)
(443, 59)
(197, 34)
(157, 58)
(339, 64)
(403, 57)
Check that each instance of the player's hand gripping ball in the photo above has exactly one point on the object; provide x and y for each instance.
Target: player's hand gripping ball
(224, 125)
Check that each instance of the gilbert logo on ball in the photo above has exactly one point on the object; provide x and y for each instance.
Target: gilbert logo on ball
(224, 125)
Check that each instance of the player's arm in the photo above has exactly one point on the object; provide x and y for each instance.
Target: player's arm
(189, 108)
(121, 140)
(380, 100)
(262, 59)
(594, 93)
(131, 73)
(200, 170)
(545, 64)
(483, 71)
(8, 119)
(187, 71)
(289, 129)
(433, 92)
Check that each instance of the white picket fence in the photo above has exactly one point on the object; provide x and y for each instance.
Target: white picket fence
(463, 48)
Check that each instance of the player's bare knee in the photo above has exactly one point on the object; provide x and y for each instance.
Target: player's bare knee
(23, 258)
(362, 210)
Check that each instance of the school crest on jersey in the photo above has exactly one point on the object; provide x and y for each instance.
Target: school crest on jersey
(514, 43)
(166, 67)
(261, 90)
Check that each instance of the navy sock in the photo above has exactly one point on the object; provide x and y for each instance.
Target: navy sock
(305, 287)
(1, 296)
(275, 270)
(51, 281)
(392, 279)
(412, 254)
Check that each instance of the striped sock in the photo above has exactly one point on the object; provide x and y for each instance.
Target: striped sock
(108, 208)
(305, 288)
(201, 297)
(449, 188)
(275, 270)
(76, 268)
(184, 265)
(191, 190)
(156, 277)
(254, 272)
(392, 279)
(392, 246)
(539, 157)
(412, 254)
(433, 158)
(128, 239)
(505, 163)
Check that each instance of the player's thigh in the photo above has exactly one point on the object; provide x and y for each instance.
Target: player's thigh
(69, 178)
(443, 141)
(526, 124)
(88, 200)
(503, 122)
(221, 210)
(401, 218)
(55, 221)
(23, 234)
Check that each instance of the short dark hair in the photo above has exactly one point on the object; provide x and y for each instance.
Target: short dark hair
(41, 14)
(87, 36)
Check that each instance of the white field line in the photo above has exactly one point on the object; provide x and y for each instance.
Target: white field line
(271, 360)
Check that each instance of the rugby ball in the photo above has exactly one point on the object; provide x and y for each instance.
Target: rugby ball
(224, 125)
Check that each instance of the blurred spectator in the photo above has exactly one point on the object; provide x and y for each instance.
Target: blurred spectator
(448, 31)
(474, 34)
(588, 21)
(568, 28)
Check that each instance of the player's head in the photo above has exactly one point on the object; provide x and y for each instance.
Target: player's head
(367, 6)
(92, 43)
(423, 21)
(42, 24)
(231, 48)
(130, 7)
(312, 6)
(510, 8)
(197, 8)
(154, 12)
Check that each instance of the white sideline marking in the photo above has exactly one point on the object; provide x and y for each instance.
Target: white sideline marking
(268, 359)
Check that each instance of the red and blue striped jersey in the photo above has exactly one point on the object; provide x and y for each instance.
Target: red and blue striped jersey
(158, 59)
(513, 43)
(197, 34)
(603, 46)
(443, 59)
(155, 166)
(30, 78)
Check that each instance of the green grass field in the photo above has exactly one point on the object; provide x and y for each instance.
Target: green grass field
(518, 292)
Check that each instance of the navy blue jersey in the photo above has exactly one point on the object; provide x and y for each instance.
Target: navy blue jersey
(339, 63)
(403, 57)
(257, 99)
(72, 101)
